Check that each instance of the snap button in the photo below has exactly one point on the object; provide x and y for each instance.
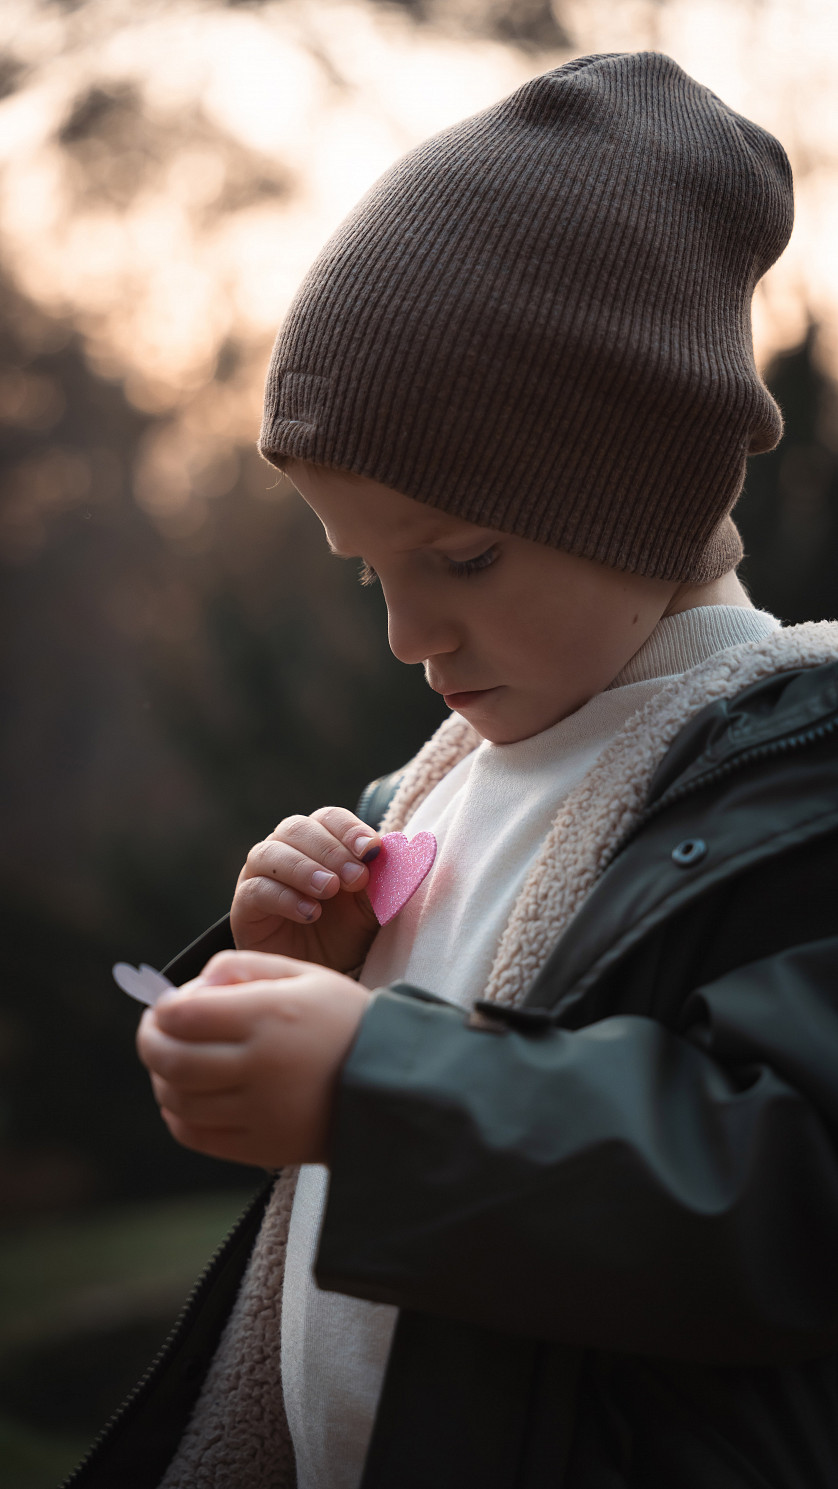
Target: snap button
(689, 853)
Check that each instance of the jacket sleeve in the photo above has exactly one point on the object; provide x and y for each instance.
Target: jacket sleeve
(625, 1186)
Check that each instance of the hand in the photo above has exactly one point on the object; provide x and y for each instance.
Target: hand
(300, 893)
(245, 1059)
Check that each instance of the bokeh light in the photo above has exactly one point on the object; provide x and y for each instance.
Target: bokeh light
(168, 172)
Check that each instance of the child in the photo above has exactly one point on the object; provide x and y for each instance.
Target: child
(561, 1155)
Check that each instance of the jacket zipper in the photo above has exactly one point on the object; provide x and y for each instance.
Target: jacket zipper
(757, 752)
(179, 1328)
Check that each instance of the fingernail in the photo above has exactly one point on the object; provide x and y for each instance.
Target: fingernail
(365, 852)
(320, 878)
(306, 908)
(351, 872)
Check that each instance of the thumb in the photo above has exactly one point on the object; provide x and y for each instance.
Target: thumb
(229, 967)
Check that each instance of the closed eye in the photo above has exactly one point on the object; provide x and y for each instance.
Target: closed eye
(461, 568)
(464, 566)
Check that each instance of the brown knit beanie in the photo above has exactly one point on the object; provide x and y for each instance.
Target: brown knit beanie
(539, 320)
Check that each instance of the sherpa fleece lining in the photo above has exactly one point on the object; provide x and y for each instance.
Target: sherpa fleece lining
(238, 1434)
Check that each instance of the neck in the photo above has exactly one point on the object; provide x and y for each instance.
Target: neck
(728, 590)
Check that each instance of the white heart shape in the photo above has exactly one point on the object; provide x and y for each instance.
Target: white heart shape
(142, 982)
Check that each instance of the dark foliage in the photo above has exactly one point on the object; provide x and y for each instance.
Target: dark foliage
(166, 703)
(789, 512)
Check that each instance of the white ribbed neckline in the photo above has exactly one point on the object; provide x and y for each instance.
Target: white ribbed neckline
(682, 641)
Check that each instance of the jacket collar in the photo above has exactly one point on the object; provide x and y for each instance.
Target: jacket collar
(764, 728)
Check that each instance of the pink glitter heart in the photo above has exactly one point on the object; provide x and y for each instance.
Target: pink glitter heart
(398, 871)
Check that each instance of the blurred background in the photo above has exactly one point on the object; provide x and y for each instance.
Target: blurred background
(182, 662)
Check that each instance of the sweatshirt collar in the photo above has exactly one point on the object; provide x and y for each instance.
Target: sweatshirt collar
(682, 641)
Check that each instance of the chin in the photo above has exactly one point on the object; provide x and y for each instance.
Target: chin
(502, 731)
(498, 732)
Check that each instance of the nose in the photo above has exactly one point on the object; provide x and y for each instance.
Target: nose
(417, 629)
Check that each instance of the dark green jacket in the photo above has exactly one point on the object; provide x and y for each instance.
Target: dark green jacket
(609, 1217)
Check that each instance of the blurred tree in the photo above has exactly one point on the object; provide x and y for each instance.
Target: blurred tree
(167, 700)
(531, 25)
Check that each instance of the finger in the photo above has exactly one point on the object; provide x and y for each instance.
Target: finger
(314, 839)
(219, 1142)
(308, 839)
(226, 968)
(258, 900)
(314, 869)
(228, 1012)
(196, 1065)
(361, 839)
(199, 1108)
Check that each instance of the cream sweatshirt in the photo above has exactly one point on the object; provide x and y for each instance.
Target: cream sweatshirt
(490, 815)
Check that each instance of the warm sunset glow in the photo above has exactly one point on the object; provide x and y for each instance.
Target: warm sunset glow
(237, 138)
(774, 61)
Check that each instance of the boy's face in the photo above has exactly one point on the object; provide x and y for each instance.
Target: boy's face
(513, 634)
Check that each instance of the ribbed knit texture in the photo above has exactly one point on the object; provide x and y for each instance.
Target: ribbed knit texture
(686, 639)
(539, 320)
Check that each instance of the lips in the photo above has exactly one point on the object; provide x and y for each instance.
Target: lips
(462, 700)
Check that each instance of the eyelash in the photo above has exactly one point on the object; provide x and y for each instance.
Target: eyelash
(459, 568)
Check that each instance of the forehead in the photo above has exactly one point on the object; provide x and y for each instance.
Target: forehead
(356, 511)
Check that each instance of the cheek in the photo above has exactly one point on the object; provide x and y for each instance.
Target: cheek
(556, 654)
(535, 638)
